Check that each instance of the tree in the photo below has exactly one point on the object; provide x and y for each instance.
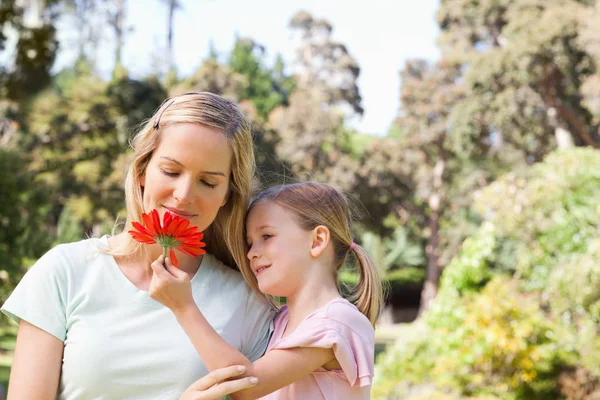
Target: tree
(263, 89)
(313, 139)
(35, 50)
(507, 90)
(172, 6)
(524, 66)
(324, 64)
(116, 18)
(215, 78)
(23, 211)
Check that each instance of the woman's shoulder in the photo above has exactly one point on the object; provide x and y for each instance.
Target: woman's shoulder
(67, 259)
(75, 251)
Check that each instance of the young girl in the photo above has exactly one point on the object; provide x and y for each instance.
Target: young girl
(322, 347)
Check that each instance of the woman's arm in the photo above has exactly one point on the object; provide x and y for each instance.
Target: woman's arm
(276, 369)
(36, 365)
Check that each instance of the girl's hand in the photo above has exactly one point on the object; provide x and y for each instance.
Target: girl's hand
(170, 286)
(215, 385)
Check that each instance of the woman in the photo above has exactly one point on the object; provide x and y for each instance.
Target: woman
(87, 327)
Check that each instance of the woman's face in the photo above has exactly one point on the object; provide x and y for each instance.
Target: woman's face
(188, 174)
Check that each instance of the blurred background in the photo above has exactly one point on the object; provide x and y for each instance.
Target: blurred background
(465, 132)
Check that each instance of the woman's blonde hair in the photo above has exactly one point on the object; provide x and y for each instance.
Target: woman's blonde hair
(315, 204)
(224, 238)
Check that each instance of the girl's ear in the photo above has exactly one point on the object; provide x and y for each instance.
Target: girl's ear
(143, 180)
(320, 241)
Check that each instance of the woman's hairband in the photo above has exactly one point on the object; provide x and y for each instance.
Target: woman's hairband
(169, 104)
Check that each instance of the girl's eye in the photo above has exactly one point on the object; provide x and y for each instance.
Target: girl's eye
(266, 236)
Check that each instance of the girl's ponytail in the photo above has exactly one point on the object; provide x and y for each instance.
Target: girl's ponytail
(367, 295)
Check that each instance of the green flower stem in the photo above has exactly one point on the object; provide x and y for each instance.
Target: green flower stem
(164, 253)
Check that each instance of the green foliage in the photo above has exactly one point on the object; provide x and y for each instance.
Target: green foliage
(393, 252)
(573, 297)
(263, 88)
(547, 213)
(23, 211)
(495, 342)
(69, 228)
(510, 332)
(470, 270)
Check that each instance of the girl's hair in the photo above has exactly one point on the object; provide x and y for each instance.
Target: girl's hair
(223, 237)
(315, 204)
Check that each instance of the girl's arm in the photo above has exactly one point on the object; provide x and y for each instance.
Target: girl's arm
(36, 364)
(276, 369)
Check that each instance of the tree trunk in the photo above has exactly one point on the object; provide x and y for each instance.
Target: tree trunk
(432, 250)
(170, 63)
(35, 17)
(117, 23)
(564, 139)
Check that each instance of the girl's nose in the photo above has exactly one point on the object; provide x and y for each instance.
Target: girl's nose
(252, 252)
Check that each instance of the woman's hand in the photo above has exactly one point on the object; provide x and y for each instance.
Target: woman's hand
(214, 385)
(170, 286)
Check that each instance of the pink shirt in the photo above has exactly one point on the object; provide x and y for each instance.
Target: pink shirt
(340, 326)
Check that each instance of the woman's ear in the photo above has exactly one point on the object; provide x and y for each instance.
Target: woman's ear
(320, 241)
(226, 199)
(143, 180)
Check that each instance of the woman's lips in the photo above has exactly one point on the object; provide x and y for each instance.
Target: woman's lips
(181, 213)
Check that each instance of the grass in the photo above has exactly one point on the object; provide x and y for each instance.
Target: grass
(386, 335)
(8, 337)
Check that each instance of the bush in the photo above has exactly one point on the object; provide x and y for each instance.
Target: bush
(519, 307)
(497, 342)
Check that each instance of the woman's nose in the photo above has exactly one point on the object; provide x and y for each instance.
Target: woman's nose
(184, 191)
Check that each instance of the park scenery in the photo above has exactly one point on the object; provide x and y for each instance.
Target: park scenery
(480, 201)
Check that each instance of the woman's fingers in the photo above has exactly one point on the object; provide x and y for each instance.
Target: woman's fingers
(173, 270)
(225, 388)
(158, 267)
(218, 376)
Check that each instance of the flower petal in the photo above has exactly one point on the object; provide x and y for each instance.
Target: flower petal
(148, 224)
(141, 237)
(182, 227)
(167, 218)
(156, 221)
(173, 258)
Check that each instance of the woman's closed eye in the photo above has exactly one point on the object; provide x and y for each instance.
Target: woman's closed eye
(208, 184)
(176, 174)
(169, 173)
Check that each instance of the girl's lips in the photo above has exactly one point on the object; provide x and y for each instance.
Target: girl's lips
(260, 270)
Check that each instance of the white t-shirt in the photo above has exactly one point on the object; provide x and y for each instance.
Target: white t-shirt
(120, 343)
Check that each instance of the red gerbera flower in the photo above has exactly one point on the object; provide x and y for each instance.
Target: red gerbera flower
(174, 233)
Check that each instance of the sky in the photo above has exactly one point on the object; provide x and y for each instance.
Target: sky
(379, 34)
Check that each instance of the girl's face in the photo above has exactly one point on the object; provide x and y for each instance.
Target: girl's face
(279, 248)
(188, 174)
